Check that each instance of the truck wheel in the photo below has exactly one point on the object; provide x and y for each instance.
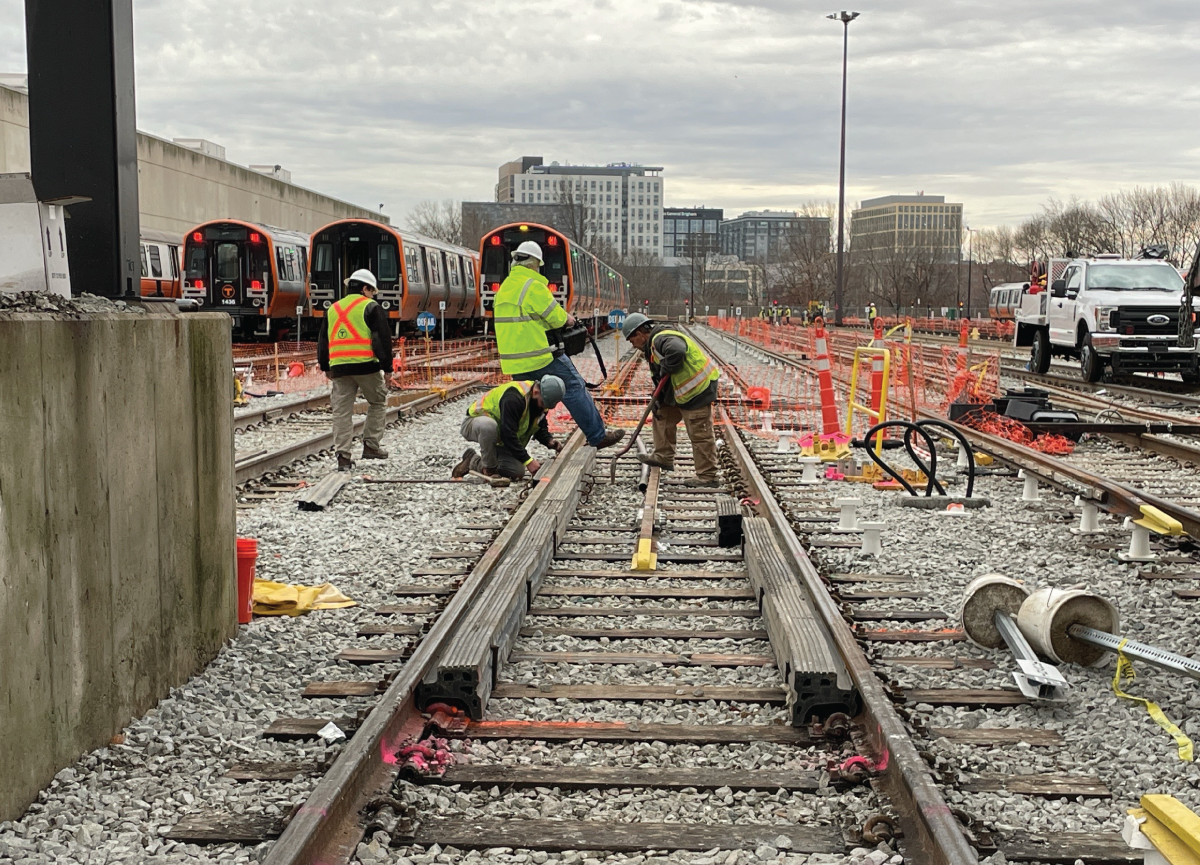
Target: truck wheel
(1039, 355)
(1091, 365)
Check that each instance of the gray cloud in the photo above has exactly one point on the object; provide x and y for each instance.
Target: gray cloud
(999, 105)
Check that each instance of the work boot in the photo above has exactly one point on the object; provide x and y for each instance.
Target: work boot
(649, 460)
(370, 453)
(464, 465)
(344, 463)
(611, 437)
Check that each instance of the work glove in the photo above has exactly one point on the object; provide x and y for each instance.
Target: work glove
(556, 446)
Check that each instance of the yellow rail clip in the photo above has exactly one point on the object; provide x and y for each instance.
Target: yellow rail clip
(645, 559)
(1159, 522)
(1171, 827)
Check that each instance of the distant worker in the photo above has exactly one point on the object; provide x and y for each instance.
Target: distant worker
(523, 311)
(354, 349)
(872, 313)
(688, 395)
(787, 315)
(502, 422)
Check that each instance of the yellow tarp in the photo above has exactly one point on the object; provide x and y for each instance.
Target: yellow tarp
(281, 599)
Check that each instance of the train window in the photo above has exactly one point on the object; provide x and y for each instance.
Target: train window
(452, 267)
(469, 268)
(227, 261)
(174, 250)
(281, 264)
(197, 261)
(412, 261)
(144, 273)
(435, 266)
(389, 267)
(302, 262)
(155, 262)
(323, 258)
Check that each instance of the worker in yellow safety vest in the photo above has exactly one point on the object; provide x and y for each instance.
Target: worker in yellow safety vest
(523, 312)
(872, 314)
(688, 395)
(502, 422)
(355, 350)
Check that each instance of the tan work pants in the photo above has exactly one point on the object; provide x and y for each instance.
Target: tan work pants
(341, 400)
(698, 423)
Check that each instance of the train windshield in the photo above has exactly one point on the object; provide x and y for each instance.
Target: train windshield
(497, 256)
(197, 261)
(227, 261)
(323, 258)
(389, 266)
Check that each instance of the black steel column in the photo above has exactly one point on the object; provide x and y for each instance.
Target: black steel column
(83, 134)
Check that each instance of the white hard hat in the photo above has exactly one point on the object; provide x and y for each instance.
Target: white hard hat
(531, 249)
(364, 276)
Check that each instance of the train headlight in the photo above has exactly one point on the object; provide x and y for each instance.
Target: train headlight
(1106, 318)
(387, 304)
(327, 304)
(256, 302)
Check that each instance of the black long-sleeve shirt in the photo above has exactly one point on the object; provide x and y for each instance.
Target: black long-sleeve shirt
(512, 409)
(673, 350)
(381, 343)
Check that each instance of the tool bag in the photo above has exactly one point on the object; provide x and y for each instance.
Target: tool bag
(571, 341)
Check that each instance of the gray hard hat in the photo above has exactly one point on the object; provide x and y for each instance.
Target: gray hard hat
(552, 390)
(632, 322)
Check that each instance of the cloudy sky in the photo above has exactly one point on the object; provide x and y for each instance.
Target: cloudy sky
(999, 104)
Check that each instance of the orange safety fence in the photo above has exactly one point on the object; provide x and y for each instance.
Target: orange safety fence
(428, 363)
(1005, 427)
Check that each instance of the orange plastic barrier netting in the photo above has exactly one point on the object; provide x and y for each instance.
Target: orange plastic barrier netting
(1015, 431)
(423, 364)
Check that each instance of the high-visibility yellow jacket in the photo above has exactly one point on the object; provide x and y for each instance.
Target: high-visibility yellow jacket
(349, 335)
(691, 377)
(516, 425)
(523, 310)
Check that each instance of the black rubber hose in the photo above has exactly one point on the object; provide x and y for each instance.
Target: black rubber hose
(910, 428)
(930, 470)
(962, 441)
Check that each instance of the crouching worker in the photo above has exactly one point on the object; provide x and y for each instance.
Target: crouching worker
(502, 422)
(688, 396)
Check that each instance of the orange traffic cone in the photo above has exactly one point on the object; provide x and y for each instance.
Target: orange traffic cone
(829, 409)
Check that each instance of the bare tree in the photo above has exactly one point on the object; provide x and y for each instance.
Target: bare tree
(997, 256)
(807, 267)
(438, 220)
(581, 219)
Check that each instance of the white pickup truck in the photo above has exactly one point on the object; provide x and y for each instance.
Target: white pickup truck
(1109, 311)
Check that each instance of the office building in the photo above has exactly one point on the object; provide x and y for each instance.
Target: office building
(766, 235)
(480, 217)
(691, 232)
(621, 203)
(896, 223)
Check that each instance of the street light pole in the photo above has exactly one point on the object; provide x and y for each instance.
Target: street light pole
(970, 263)
(845, 17)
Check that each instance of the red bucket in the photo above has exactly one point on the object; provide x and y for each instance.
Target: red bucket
(247, 558)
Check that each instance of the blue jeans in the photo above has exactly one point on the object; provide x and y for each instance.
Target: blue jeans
(577, 400)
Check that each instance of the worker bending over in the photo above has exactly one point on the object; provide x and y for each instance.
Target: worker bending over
(502, 422)
(355, 350)
(523, 311)
(688, 395)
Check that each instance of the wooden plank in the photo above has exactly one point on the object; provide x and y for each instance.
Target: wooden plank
(590, 777)
(662, 557)
(696, 659)
(664, 612)
(405, 609)
(976, 698)
(857, 597)
(390, 628)
(225, 827)
(422, 591)
(869, 578)
(885, 636)
(999, 736)
(371, 656)
(456, 554)
(637, 693)
(440, 572)
(480, 527)
(1064, 848)
(1187, 594)
(270, 770)
(305, 728)
(1049, 786)
(645, 633)
(937, 663)
(557, 835)
(600, 731)
(340, 689)
(834, 543)
(898, 615)
(739, 593)
(1166, 575)
(629, 543)
(646, 575)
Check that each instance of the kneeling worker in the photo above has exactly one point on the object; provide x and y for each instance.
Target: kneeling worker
(524, 310)
(355, 350)
(502, 422)
(688, 395)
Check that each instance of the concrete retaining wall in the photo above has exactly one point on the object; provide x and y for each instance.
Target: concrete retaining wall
(179, 188)
(117, 523)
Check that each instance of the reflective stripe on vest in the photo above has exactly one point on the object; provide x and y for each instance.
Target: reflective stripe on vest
(694, 374)
(520, 331)
(489, 405)
(349, 336)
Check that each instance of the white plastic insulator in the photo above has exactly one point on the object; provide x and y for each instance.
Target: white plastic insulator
(809, 468)
(963, 461)
(1030, 493)
(848, 520)
(1139, 543)
(871, 543)
(1089, 519)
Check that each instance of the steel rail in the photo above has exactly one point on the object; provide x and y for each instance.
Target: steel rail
(257, 466)
(326, 828)
(1160, 394)
(243, 420)
(932, 834)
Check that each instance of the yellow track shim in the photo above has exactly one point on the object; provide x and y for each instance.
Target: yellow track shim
(1159, 522)
(645, 559)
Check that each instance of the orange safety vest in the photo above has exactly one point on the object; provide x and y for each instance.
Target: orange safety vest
(349, 336)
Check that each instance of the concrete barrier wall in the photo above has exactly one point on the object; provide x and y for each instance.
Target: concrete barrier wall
(179, 188)
(117, 525)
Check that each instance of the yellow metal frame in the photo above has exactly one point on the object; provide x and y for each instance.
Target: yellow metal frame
(877, 416)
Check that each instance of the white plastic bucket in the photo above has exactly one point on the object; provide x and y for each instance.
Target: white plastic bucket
(983, 597)
(1047, 614)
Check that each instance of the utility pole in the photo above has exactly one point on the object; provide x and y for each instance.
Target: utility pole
(845, 18)
(970, 263)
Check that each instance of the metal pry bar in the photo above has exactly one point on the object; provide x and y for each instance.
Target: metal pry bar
(1136, 651)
